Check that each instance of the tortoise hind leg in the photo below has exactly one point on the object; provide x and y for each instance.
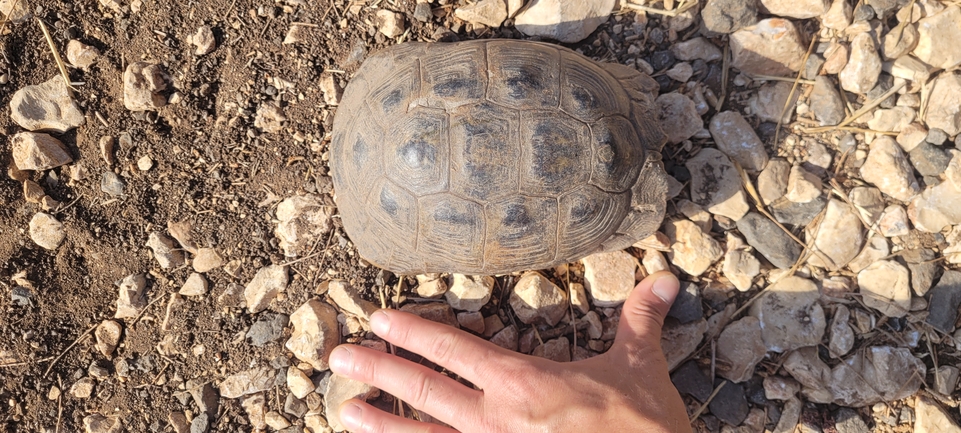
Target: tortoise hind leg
(648, 203)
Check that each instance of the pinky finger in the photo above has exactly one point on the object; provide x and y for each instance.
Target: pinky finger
(360, 417)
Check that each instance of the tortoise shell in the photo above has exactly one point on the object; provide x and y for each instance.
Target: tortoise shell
(488, 157)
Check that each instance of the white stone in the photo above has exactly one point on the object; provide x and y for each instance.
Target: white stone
(46, 107)
(565, 21)
(892, 120)
(802, 185)
(790, 315)
(678, 117)
(771, 47)
(943, 111)
(206, 260)
(131, 297)
(696, 214)
(38, 151)
(937, 35)
(82, 388)
(936, 208)
(772, 100)
(654, 261)
(340, 389)
(348, 298)
(390, 23)
(908, 68)
(254, 406)
(681, 71)
(331, 89)
(839, 236)
(876, 248)
(735, 137)
(264, 287)
(302, 221)
(609, 277)
(795, 8)
(894, 222)
(490, 13)
(107, 335)
(431, 286)
(195, 285)
(863, 67)
(912, 136)
(885, 286)
(692, 250)
(772, 182)
(806, 367)
(740, 267)
(696, 48)
(930, 417)
(536, 299)
(740, 349)
(165, 251)
(277, 421)
(716, 184)
(142, 86)
(46, 231)
(838, 16)
(470, 293)
(780, 387)
(299, 383)
(315, 333)
(248, 382)
(841, 338)
(97, 423)
(203, 41)
(888, 168)
(579, 298)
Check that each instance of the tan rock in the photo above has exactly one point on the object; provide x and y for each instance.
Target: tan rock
(772, 47)
(609, 277)
(790, 315)
(943, 111)
(888, 168)
(264, 287)
(802, 185)
(839, 236)
(390, 23)
(469, 293)
(165, 251)
(299, 383)
(885, 286)
(107, 335)
(340, 389)
(38, 151)
(692, 250)
(795, 9)
(302, 221)
(936, 36)
(315, 333)
(716, 184)
(431, 286)
(678, 341)
(270, 118)
(81, 55)
(348, 298)
(838, 16)
(739, 349)
(131, 299)
(252, 381)
(196, 285)
(206, 260)
(536, 299)
(490, 13)
(565, 21)
(46, 107)
(930, 417)
(736, 138)
(863, 67)
(142, 86)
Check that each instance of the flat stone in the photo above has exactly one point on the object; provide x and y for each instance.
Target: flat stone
(892, 120)
(894, 222)
(472, 320)
(302, 221)
(885, 286)
(935, 34)
(654, 261)
(204, 396)
(269, 327)
(797, 214)
(863, 67)
(847, 420)
(771, 47)
(944, 302)
(270, 117)
(431, 286)
(196, 285)
(811, 372)
(179, 422)
(770, 102)
(716, 184)
(299, 383)
(15, 11)
(264, 287)
(696, 49)
(470, 293)
(896, 43)
(46, 107)
(930, 417)
(740, 267)
(97, 423)
(727, 16)
(348, 298)
(143, 84)
(107, 335)
(389, 23)
(780, 388)
(254, 406)
(772, 182)
(38, 151)
(935, 136)
(876, 248)
(739, 349)
(835, 58)
(678, 117)
(876, 374)
(912, 136)
(690, 380)
(46, 231)
(609, 277)
(165, 251)
(802, 186)
(111, 184)
(839, 237)
(557, 350)
(795, 9)
(687, 306)
(680, 72)
(536, 299)
(838, 16)
(769, 240)
(315, 333)
(735, 137)
(277, 421)
(339, 390)
(929, 160)
(943, 111)
(946, 379)
(696, 214)
(936, 208)
(564, 21)
(252, 381)
(730, 404)
(692, 250)
(790, 316)
(206, 260)
(82, 388)
(790, 415)
(131, 298)
(868, 202)
(841, 338)
(203, 41)
(439, 312)
(678, 341)
(923, 269)
(490, 13)
(908, 68)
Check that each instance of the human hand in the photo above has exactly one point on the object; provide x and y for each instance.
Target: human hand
(626, 389)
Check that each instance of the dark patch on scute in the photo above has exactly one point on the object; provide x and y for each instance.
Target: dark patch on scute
(517, 215)
(418, 154)
(391, 100)
(454, 86)
(388, 203)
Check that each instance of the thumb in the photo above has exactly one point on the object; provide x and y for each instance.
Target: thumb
(644, 312)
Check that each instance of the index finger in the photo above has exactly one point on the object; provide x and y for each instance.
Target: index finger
(468, 356)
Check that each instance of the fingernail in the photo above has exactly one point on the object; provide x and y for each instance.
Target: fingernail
(380, 323)
(666, 288)
(340, 360)
(350, 415)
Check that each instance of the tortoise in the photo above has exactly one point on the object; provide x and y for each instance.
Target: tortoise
(492, 156)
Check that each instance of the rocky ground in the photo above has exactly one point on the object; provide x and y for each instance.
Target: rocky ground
(171, 258)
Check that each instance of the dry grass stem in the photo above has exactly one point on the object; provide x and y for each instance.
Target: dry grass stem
(56, 55)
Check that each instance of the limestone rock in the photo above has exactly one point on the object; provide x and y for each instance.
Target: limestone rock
(38, 151)
(142, 86)
(431, 286)
(772, 182)
(264, 287)
(727, 16)
(298, 382)
(811, 372)
(490, 13)
(270, 117)
(258, 379)
(879, 373)
(863, 67)
(696, 48)
(692, 250)
(340, 389)
(203, 41)
(536, 299)
(888, 168)
(885, 286)
(735, 137)
(802, 185)
(771, 47)
(131, 299)
(565, 21)
(678, 117)
(893, 120)
(389, 23)
(107, 335)
(609, 277)
(930, 417)
(936, 207)
(196, 285)
(790, 316)
(839, 237)
(206, 260)
(876, 248)
(740, 267)
(348, 298)
(935, 35)
(315, 333)
(97, 423)
(46, 107)
(894, 222)
(795, 9)
(716, 184)
(771, 100)
(81, 55)
(46, 231)
(838, 16)
(943, 111)
(439, 312)
(678, 341)
(780, 387)
(165, 251)
(841, 338)
(469, 293)
(739, 349)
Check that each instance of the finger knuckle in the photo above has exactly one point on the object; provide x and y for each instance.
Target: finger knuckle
(442, 348)
(418, 390)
